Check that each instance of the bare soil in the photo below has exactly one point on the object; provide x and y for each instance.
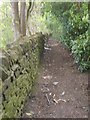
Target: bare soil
(61, 89)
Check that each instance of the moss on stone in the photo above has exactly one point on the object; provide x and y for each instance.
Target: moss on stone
(23, 57)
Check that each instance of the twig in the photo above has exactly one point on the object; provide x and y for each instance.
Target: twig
(47, 99)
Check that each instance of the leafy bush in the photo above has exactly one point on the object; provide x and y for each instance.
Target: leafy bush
(81, 51)
(72, 21)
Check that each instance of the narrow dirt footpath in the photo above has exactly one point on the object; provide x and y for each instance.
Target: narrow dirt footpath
(61, 90)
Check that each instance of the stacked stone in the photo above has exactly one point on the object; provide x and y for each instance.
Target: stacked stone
(19, 70)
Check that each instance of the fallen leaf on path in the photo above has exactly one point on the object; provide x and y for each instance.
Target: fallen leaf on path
(63, 93)
(61, 100)
(55, 100)
(47, 77)
(30, 114)
(46, 48)
(55, 83)
(53, 95)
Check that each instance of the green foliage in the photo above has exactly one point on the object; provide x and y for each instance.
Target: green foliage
(6, 27)
(81, 51)
(36, 21)
(70, 25)
(63, 19)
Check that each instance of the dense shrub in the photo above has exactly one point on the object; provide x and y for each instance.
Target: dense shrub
(72, 24)
(81, 51)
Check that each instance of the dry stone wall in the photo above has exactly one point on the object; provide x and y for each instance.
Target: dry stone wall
(19, 66)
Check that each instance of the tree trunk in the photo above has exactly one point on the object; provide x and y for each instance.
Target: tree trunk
(23, 18)
(15, 19)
